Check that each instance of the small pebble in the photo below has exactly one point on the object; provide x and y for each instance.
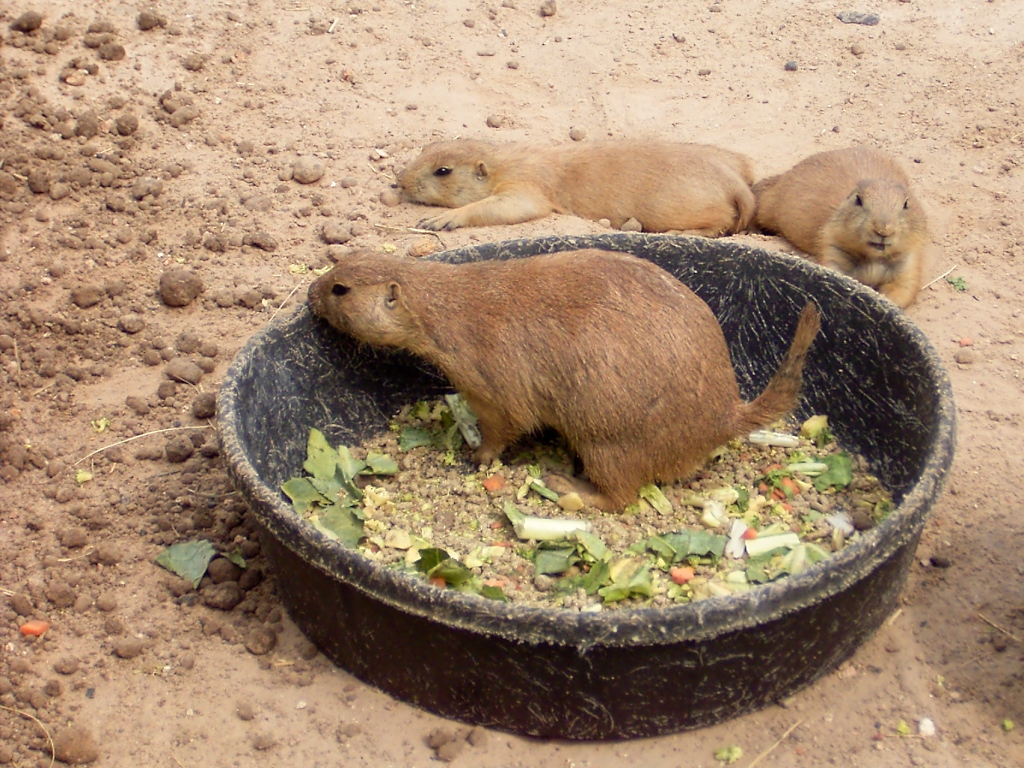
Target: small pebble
(495, 121)
(790, 66)
(548, 8)
(857, 49)
(940, 561)
(631, 225)
(390, 198)
(577, 134)
(926, 727)
(856, 17)
(965, 356)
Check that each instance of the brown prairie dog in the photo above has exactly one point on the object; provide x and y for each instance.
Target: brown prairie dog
(666, 186)
(851, 210)
(609, 349)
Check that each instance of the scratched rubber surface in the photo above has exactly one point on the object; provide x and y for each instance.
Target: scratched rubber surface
(557, 673)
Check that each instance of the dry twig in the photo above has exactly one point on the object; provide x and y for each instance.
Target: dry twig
(996, 626)
(781, 739)
(136, 437)
(940, 276)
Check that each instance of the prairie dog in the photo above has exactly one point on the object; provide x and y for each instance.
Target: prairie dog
(851, 210)
(666, 186)
(625, 361)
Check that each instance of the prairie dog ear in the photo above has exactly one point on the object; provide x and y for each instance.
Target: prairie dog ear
(481, 170)
(392, 294)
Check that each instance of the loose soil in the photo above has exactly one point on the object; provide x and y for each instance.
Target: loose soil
(244, 143)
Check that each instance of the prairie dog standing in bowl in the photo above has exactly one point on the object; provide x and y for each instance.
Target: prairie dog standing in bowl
(666, 186)
(625, 361)
(851, 210)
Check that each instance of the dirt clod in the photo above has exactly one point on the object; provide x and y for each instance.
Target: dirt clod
(150, 19)
(179, 287)
(308, 170)
(75, 745)
(178, 449)
(128, 647)
(260, 641)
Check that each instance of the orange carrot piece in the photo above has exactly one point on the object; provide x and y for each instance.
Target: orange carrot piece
(682, 574)
(494, 483)
(35, 628)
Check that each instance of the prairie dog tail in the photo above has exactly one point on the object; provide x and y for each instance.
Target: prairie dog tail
(781, 394)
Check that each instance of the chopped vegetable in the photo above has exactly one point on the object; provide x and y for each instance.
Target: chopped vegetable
(548, 528)
(656, 498)
(465, 418)
(728, 755)
(682, 574)
(763, 544)
(767, 437)
(839, 474)
(34, 628)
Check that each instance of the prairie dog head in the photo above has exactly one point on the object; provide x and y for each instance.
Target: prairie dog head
(363, 297)
(449, 173)
(876, 216)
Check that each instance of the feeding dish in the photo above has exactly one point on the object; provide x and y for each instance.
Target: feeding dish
(560, 673)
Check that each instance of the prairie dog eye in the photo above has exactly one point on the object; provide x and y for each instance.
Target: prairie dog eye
(339, 290)
(906, 204)
(859, 202)
(444, 170)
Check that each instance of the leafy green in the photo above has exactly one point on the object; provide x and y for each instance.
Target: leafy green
(414, 437)
(330, 498)
(321, 459)
(349, 466)
(839, 474)
(554, 557)
(592, 544)
(302, 493)
(341, 523)
(235, 556)
(597, 577)
(677, 546)
(465, 419)
(430, 558)
(452, 571)
(631, 582)
(379, 464)
(729, 754)
(654, 496)
(493, 593)
(188, 559)
(958, 283)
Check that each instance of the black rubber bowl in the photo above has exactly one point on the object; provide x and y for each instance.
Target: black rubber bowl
(560, 673)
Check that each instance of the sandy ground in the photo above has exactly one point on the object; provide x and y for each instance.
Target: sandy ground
(177, 151)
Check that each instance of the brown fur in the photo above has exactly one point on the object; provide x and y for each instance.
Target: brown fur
(617, 355)
(851, 210)
(666, 186)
